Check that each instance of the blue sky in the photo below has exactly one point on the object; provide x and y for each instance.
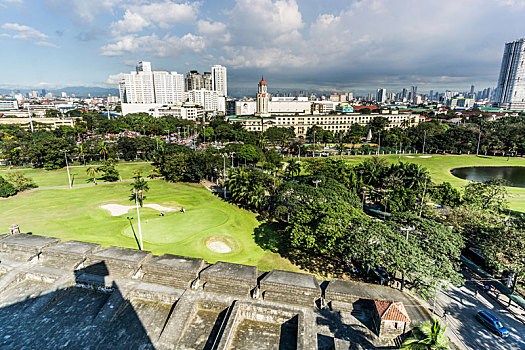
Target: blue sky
(346, 45)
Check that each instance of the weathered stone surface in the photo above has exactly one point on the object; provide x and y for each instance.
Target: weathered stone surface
(223, 277)
(23, 247)
(172, 270)
(69, 254)
(122, 262)
(290, 287)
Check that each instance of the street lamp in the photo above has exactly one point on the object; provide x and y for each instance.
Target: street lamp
(407, 229)
(138, 215)
(224, 156)
(67, 168)
(316, 182)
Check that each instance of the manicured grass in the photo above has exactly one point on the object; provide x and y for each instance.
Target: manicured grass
(49, 178)
(76, 214)
(440, 166)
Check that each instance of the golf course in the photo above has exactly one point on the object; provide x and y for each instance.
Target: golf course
(210, 228)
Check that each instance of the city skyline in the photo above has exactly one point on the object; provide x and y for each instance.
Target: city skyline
(332, 45)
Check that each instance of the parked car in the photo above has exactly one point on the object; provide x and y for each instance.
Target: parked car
(492, 323)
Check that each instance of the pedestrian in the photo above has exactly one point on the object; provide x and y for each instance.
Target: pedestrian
(487, 288)
(445, 315)
(476, 293)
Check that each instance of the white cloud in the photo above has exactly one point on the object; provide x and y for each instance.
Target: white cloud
(47, 44)
(213, 31)
(114, 79)
(24, 32)
(160, 14)
(159, 47)
(85, 10)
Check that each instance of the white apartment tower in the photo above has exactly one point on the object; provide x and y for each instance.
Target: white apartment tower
(219, 80)
(262, 100)
(169, 87)
(510, 93)
(145, 86)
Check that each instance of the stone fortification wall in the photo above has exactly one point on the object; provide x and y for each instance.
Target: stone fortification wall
(122, 297)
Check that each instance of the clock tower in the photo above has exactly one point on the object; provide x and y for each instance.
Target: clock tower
(262, 99)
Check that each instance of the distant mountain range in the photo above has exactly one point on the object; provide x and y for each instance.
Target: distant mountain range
(78, 91)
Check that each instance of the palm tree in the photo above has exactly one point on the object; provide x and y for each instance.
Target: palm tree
(92, 171)
(80, 151)
(341, 148)
(140, 186)
(256, 196)
(294, 168)
(103, 149)
(238, 184)
(428, 336)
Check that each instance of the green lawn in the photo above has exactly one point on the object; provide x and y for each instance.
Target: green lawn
(76, 214)
(48, 178)
(439, 167)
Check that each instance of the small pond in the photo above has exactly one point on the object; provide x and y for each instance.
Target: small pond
(515, 175)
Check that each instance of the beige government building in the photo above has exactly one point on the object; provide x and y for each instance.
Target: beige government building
(301, 122)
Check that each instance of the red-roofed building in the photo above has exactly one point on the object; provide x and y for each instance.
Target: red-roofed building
(391, 318)
(358, 108)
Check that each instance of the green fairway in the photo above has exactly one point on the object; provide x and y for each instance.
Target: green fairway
(48, 178)
(76, 214)
(439, 167)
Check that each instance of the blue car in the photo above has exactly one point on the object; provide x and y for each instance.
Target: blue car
(492, 323)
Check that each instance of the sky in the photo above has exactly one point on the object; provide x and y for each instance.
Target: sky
(346, 45)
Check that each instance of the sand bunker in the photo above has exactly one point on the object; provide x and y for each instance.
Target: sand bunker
(118, 209)
(425, 156)
(218, 247)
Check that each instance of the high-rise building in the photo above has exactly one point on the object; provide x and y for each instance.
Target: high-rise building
(207, 81)
(194, 81)
(169, 87)
(381, 95)
(145, 86)
(219, 80)
(510, 93)
(208, 99)
(143, 66)
(414, 95)
(431, 95)
(262, 99)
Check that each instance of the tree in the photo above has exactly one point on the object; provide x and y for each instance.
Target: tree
(489, 195)
(293, 168)
(372, 170)
(103, 149)
(378, 124)
(109, 171)
(139, 187)
(91, 171)
(128, 147)
(445, 194)
(505, 247)
(6, 189)
(80, 151)
(249, 153)
(435, 251)
(428, 336)
(20, 181)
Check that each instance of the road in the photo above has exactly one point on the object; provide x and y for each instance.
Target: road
(461, 306)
